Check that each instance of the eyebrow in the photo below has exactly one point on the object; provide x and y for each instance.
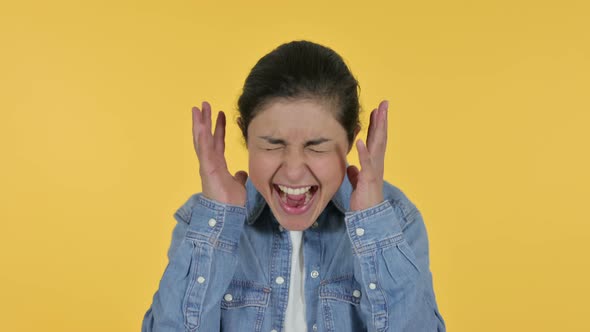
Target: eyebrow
(272, 140)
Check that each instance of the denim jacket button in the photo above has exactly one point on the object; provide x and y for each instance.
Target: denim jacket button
(372, 285)
(314, 327)
(315, 225)
(280, 280)
(315, 274)
(273, 330)
(228, 297)
(200, 280)
(356, 293)
(360, 231)
(212, 222)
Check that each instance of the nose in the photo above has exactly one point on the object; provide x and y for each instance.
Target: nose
(294, 166)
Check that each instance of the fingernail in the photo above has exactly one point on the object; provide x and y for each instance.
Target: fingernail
(386, 104)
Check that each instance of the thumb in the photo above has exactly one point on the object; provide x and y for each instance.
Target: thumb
(241, 176)
(353, 175)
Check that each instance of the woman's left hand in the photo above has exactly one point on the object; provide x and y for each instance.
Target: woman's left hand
(367, 183)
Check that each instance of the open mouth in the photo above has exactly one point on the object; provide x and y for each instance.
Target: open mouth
(295, 200)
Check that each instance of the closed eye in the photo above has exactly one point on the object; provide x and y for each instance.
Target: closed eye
(313, 145)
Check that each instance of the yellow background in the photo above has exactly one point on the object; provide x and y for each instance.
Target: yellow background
(489, 136)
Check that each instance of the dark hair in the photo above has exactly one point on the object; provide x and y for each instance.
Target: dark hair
(301, 69)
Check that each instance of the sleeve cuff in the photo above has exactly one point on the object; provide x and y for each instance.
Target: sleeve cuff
(376, 227)
(215, 223)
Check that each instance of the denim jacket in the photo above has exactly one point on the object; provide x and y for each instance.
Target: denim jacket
(229, 269)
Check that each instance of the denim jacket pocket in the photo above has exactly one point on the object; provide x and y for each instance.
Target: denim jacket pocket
(243, 306)
(344, 288)
(242, 293)
(340, 300)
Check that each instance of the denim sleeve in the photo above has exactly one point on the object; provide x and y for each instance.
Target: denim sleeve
(201, 263)
(391, 250)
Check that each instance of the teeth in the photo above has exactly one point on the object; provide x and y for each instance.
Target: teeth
(295, 191)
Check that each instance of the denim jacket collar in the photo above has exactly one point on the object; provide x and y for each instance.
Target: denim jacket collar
(255, 203)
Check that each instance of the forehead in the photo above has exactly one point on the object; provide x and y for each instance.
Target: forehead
(296, 118)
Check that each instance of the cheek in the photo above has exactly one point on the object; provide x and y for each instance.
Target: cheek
(261, 167)
(329, 170)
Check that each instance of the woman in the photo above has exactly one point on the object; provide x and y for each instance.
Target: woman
(306, 243)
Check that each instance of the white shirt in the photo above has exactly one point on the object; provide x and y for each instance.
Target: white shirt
(295, 315)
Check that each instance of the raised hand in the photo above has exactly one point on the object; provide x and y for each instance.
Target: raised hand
(218, 184)
(367, 183)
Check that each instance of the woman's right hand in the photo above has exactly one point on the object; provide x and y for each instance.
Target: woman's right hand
(217, 182)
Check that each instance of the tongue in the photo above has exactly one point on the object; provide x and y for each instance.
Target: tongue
(295, 200)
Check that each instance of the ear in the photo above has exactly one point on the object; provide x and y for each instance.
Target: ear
(357, 130)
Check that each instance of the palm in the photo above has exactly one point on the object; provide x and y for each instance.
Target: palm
(367, 182)
(218, 184)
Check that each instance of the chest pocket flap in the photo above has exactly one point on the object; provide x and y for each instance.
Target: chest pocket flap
(242, 293)
(344, 288)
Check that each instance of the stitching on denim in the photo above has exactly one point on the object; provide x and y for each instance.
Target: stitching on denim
(183, 215)
(411, 217)
(221, 244)
(196, 236)
(328, 317)
(278, 317)
(246, 294)
(259, 319)
(377, 295)
(336, 279)
(340, 297)
(377, 316)
(285, 293)
(189, 313)
(210, 204)
(206, 202)
(238, 304)
(335, 289)
(355, 216)
(227, 246)
(385, 243)
(252, 284)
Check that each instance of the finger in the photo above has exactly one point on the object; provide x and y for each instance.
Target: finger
(372, 123)
(379, 146)
(353, 175)
(384, 107)
(207, 118)
(241, 176)
(379, 131)
(377, 135)
(197, 118)
(219, 134)
(364, 157)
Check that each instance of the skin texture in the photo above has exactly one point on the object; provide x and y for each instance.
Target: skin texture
(293, 142)
(294, 162)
